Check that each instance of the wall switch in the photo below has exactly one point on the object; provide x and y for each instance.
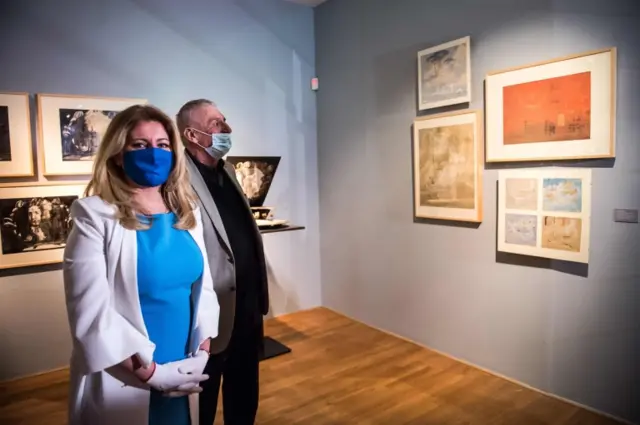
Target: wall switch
(314, 84)
(625, 216)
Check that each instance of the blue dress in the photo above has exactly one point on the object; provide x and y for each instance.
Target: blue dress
(169, 262)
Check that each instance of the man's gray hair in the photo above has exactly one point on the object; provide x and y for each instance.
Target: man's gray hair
(183, 117)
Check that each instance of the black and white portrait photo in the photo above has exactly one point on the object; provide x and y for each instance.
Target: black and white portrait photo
(82, 130)
(30, 224)
(5, 135)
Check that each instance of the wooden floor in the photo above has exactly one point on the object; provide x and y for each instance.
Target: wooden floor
(343, 372)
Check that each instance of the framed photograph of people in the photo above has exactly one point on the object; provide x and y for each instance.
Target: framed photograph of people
(562, 109)
(16, 151)
(444, 74)
(35, 223)
(447, 166)
(71, 129)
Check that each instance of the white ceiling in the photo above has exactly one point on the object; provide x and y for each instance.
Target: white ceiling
(311, 3)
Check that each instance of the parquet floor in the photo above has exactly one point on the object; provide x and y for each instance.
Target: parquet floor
(343, 372)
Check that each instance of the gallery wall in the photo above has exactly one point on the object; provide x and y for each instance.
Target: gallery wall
(254, 58)
(567, 329)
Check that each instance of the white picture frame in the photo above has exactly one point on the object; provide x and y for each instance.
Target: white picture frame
(448, 165)
(16, 149)
(35, 225)
(444, 74)
(560, 109)
(61, 117)
(545, 212)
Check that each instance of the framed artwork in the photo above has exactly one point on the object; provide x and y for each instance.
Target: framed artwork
(255, 175)
(545, 212)
(71, 129)
(562, 109)
(35, 223)
(447, 166)
(444, 74)
(16, 153)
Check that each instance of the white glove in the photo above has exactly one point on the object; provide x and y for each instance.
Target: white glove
(190, 366)
(168, 377)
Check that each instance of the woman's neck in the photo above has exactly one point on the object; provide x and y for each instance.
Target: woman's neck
(149, 201)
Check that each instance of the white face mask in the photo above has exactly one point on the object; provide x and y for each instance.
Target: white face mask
(220, 144)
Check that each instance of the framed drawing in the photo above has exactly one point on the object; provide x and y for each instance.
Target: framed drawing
(561, 109)
(447, 166)
(71, 128)
(16, 153)
(444, 74)
(545, 212)
(35, 223)
(255, 175)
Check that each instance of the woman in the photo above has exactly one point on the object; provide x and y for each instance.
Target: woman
(139, 292)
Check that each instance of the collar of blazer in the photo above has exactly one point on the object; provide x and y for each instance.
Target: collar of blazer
(206, 200)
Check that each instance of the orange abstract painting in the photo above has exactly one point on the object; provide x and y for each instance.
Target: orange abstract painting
(552, 110)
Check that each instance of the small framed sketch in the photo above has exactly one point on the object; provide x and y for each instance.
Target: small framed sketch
(563, 109)
(447, 166)
(35, 223)
(16, 152)
(545, 212)
(444, 74)
(71, 128)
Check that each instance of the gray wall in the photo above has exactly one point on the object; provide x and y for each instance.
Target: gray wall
(253, 57)
(562, 328)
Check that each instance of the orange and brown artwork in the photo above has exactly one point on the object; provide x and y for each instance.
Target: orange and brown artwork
(552, 110)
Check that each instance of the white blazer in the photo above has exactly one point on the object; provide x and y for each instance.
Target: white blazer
(105, 317)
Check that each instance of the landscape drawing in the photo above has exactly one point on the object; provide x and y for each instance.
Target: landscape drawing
(562, 233)
(82, 131)
(550, 110)
(521, 229)
(444, 74)
(5, 135)
(447, 166)
(562, 194)
(521, 194)
(30, 224)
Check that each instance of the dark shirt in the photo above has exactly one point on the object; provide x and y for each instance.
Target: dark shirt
(237, 220)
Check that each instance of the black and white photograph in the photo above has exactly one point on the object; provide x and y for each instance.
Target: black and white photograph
(82, 131)
(35, 224)
(444, 74)
(5, 135)
(255, 175)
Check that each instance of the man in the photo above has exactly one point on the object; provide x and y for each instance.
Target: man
(236, 257)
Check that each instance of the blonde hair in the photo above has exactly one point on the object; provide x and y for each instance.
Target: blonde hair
(111, 185)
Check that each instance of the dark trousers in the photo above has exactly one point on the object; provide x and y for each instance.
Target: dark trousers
(237, 368)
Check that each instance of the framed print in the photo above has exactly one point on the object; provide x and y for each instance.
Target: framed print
(444, 74)
(447, 166)
(563, 109)
(255, 175)
(16, 152)
(545, 212)
(35, 223)
(71, 128)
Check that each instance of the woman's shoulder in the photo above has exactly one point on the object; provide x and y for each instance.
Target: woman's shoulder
(93, 207)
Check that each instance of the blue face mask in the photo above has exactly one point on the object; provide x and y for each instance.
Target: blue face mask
(148, 167)
(220, 144)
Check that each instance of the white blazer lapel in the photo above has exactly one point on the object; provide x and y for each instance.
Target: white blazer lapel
(127, 291)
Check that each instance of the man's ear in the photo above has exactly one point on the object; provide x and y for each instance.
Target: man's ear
(189, 134)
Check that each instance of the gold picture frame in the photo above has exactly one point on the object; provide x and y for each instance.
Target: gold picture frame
(70, 128)
(16, 150)
(560, 109)
(35, 223)
(448, 165)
